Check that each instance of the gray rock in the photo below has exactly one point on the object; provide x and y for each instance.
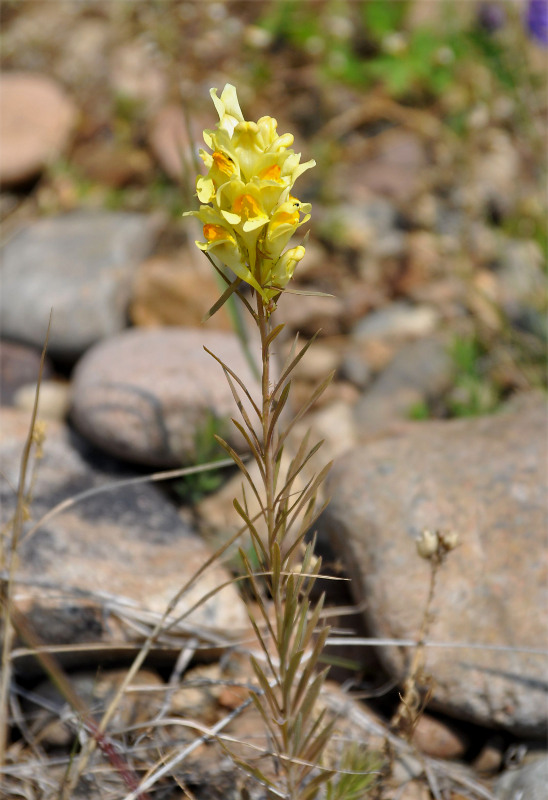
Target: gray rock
(420, 372)
(356, 369)
(486, 479)
(146, 394)
(528, 782)
(104, 568)
(80, 265)
(398, 321)
(520, 276)
(359, 225)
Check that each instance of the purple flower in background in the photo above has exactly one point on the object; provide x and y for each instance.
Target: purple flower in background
(537, 20)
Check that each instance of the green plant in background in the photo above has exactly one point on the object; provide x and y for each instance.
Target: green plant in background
(191, 488)
(357, 776)
(377, 47)
(474, 393)
(249, 216)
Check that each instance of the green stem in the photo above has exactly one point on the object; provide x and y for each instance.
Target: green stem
(278, 581)
(268, 453)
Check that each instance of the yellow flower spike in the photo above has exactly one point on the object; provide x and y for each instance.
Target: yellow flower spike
(247, 212)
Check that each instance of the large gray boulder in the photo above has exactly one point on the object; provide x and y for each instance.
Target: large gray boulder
(486, 479)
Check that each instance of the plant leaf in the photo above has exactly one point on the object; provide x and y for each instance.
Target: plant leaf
(229, 291)
(237, 379)
(292, 364)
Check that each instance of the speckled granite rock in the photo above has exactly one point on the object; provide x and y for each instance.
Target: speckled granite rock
(80, 265)
(145, 394)
(486, 479)
(103, 569)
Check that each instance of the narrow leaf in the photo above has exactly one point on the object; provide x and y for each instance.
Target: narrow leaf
(238, 380)
(289, 369)
(251, 528)
(223, 298)
(277, 411)
(273, 333)
(237, 460)
(252, 447)
(265, 686)
(308, 293)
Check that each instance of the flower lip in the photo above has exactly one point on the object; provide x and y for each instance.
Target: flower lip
(216, 233)
(223, 163)
(246, 206)
(271, 173)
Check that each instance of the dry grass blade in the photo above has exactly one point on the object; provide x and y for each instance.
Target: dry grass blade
(145, 650)
(61, 681)
(7, 588)
(308, 293)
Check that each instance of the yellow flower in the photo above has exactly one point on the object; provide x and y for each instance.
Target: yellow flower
(247, 211)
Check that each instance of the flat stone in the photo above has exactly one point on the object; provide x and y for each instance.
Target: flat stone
(36, 121)
(146, 394)
(485, 479)
(104, 569)
(399, 321)
(80, 265)
(177, 290)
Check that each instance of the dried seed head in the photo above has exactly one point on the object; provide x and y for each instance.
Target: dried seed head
(427, 544)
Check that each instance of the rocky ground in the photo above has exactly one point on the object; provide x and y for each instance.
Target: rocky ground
(429, 230)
